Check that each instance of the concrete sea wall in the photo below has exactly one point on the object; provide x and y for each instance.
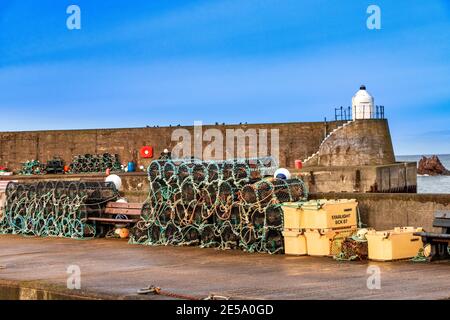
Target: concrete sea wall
(364, 142)
(396, 177)
(361, 143)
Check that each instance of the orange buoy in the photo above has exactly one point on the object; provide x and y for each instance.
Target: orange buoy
(124, 233)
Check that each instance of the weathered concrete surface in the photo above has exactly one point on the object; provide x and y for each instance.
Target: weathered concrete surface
(384, 211)
(396, 177)
(361, 143)
(115, 269)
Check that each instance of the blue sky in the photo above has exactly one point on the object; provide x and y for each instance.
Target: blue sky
(160, 62)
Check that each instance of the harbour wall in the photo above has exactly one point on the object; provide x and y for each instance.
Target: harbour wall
(363, 142)
(360, 142)
(394, 178)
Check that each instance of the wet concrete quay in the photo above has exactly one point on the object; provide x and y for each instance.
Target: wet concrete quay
(36, 268)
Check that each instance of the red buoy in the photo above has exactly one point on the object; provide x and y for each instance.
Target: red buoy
(146, 152)
(298, 164)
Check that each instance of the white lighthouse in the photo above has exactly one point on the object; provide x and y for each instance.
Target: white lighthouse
(362, 105)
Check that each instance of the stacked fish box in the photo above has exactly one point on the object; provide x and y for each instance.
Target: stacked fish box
(318, 227)
(397, 244)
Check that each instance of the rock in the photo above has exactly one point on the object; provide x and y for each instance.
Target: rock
(432, 166)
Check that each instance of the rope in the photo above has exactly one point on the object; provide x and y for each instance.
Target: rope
(158, 291)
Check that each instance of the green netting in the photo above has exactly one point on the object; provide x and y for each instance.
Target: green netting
(223, 204)
(95, 163)
(32, 167)
(54, 208)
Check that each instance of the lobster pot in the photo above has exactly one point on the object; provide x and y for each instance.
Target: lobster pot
(184, 171)
(55, 208)
(249, 195)
(209, 194)
(169, 172)
(223, 204)
(290, 190)
(188, 191)
(95, 163)
(190, 235)
(208, 237)
(213, 172)
(155, 170)
(171, 233)
(257, 218)
(273, 241)
(241, 172)
(229, 236)
(154, 234)
(274, 216)
(225, 194)
(264, 192)
(199, 173)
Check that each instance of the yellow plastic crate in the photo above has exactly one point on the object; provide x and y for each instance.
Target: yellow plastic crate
(326, 242)
(292, 213)
(396, 244)
(294, 242)
(321, 214)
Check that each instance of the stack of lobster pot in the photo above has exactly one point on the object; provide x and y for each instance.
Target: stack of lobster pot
(55, 208)
(223, 204)
(95, 163)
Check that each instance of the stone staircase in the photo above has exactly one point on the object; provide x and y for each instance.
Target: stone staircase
(324, 140)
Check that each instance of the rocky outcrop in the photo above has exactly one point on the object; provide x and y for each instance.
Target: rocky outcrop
(432, 166)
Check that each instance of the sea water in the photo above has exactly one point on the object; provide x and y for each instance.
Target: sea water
(431, 184)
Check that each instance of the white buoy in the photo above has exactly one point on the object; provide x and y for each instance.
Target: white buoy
(116, 180)
(282, 173)
(122, 200)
